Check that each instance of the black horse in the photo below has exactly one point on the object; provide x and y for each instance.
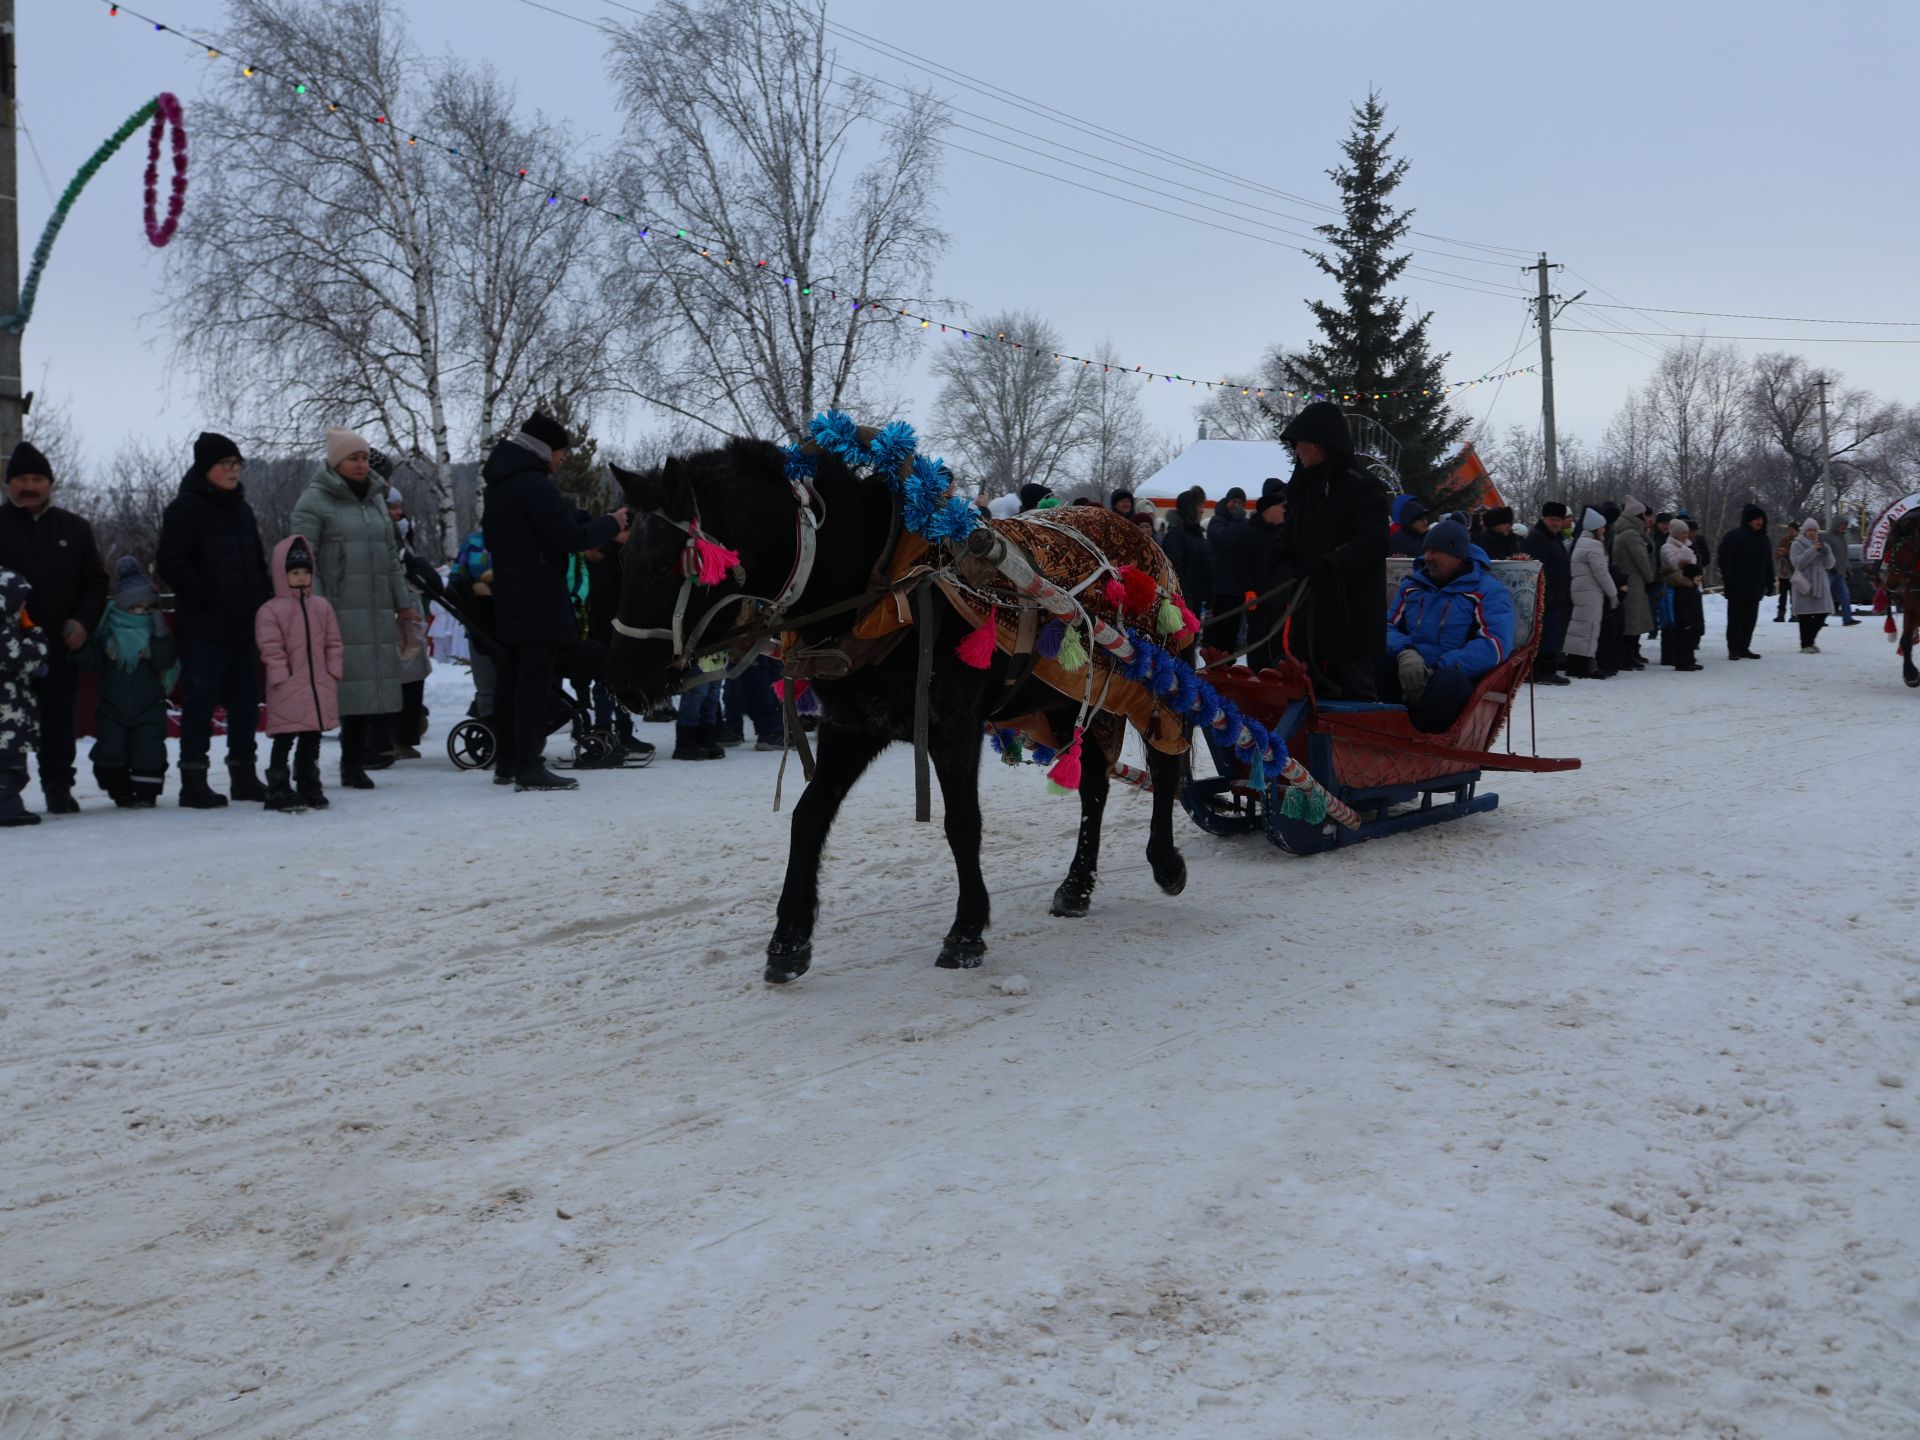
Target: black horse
(739, 496)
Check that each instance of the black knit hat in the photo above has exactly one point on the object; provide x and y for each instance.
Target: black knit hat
(381, 462)
(1235, 493)
(1498, 515)
(1554, 510)
(1032, 493)
(547, 431)
(1449, 537)
(210, 449)
(27, 460)
(299, 557)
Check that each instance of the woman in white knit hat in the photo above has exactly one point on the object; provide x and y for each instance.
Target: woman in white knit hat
(343, 514)
(1808, 559)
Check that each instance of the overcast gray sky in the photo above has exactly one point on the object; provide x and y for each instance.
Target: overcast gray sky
(1693, 154)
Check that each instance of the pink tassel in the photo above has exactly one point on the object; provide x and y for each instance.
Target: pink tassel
(1189, 621)
(1116, 594)
(715, 560)
(977, 649)
(1066, 770)
(779, 689)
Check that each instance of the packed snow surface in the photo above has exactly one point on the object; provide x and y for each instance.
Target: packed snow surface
(454, 1112)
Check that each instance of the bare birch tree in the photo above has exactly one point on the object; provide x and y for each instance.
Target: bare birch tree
(336, 269)
(741, 131)
(1119, 449)
(1013, 413)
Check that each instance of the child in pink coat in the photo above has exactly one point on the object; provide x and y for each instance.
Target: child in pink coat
(299, 639)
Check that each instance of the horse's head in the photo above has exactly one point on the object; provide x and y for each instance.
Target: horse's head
(676, 600)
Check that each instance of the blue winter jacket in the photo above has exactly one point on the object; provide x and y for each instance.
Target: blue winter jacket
(1467, 625)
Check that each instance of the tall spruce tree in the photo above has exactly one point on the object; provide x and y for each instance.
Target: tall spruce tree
(1369, 348)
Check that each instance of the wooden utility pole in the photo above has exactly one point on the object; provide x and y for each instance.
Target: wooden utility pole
(1548, 433)
(1826, 460)
(13, 403)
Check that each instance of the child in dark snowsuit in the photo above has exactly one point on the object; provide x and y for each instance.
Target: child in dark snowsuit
(298, 636)
(23, 655)
(133, 650)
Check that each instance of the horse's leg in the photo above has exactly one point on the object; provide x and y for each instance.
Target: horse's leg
(844, 757)
(1075, 895)
(1909, 623)
(956, 761)
(1169, 868)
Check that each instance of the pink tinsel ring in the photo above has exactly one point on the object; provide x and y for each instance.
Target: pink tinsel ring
(166, 113)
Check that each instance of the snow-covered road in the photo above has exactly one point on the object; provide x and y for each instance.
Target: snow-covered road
(455, 1113)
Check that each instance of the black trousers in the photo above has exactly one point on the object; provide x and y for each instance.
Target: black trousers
(56, 691)
(305, 748)
(520, 706)
(1810, 627)
(1743, 613)
(1225, 634)
(218, 673)
(405, 722)
(1438, 706)
(364, 738)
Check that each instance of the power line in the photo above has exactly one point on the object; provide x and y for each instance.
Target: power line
(1742, 315)
(1779, 339)
(1048, 113)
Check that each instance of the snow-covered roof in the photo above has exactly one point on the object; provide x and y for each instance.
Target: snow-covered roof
(1216, 466)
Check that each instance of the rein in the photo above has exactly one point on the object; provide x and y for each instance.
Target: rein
(807, 521)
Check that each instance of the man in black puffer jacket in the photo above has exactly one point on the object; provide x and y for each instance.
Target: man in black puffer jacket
(1337, 521)
(1746, 573)
(210, 554)
(530, 530)
(53, 550)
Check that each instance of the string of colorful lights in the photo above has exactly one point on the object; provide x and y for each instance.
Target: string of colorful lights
(655, 229)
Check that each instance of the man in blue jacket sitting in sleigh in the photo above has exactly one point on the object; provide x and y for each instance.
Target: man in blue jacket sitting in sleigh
(1450, 624)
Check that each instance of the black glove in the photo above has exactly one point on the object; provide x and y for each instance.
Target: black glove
(1692, 572)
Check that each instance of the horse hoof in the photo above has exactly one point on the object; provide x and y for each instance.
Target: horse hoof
(1170, 875)
(961, 952)
(1070, 901)
(788, 960)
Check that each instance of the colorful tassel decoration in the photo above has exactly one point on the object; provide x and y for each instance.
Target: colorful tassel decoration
(809, 701)
(1189, 622)
(1891, 629)
(1167, 618)
(1116, 594)
(1066, 770)
(1073, 651)
(1141, 589)
(1048, 642)
(714, 560)
(977, 649)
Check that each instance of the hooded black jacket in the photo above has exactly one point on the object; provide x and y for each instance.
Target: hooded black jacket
(1223, 534)
(1186, 546)
(210, 553)
(1746, 558)
(530, 531)
(1336, 536)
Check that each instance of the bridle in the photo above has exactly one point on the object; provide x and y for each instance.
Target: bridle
(810, 512)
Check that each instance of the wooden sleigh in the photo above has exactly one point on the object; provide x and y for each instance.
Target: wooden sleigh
(1368, 755)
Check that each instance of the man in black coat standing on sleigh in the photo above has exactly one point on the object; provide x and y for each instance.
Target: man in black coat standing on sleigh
(1336, 536)
(530, 532)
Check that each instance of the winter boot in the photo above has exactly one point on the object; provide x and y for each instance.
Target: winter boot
(537, 777)
(711, 739)
(353, 775)
(194, 792)
(307, 777)
(280, 796)
(60, 799)
(243, 784)
(689, 742)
